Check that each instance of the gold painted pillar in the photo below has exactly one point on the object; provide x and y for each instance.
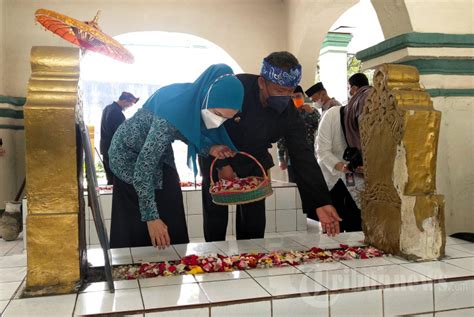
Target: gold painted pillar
(53, 260)
(402, 214)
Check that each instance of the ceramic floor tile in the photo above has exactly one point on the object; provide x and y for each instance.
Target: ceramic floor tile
(241, 289)
(350, 236)
(194, 203)
(3, 305)
(318, 267)
(454, 241)
(239, 250)
(173, 296)
(289, 284)
(366, 303)
(13, 274)
(270, 222)
(195, 226)
(285, 198)
(270, 202)
(393, 275)
(366, 262)
(196, 312)
(13, 260)
(95, 256)
(469, 312)
(465, 263)
(166, 280)
(121, 256)
(285, 220)
(196, 248)
(251, 309)
(438, 270)
(62, 305)
(7, 290)
(452, 252)
(301, 306)
(411, 299)
(103, 286)
(103, 302)
(221, 276)
(151, 254)
(235, 244)
(314, 239)
(273, 271)
(342, 279)
(466, 247)
(396, 259)
(456, 294)
(282, 243)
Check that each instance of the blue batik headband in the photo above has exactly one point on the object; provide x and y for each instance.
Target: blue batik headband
(280, 77)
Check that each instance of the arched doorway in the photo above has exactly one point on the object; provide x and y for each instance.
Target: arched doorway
(161, 58)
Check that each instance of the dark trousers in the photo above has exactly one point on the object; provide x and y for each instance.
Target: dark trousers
(291, 174)
(108, 172)
(127, 229)
(346, 208)
(250, 218)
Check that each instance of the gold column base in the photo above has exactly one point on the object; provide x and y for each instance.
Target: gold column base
(53, 255)
(401, 212)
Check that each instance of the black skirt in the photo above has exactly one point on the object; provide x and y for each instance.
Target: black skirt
(127, 229)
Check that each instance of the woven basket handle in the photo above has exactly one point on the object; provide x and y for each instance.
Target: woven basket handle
(243, 153)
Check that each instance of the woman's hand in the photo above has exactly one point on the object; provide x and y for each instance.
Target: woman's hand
(221, 151)
(329, 220)
(226, 172)
(158, 232)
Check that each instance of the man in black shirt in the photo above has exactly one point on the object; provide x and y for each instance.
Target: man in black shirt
(267, 116)
(112, 117)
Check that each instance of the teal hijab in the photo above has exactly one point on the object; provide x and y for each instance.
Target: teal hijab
(181, 104)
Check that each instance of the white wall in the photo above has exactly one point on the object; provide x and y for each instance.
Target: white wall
(247, 30)
(2, 45)
(434, 16)
(455, 175)
(308, 23)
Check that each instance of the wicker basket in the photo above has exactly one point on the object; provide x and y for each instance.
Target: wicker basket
(239, 197)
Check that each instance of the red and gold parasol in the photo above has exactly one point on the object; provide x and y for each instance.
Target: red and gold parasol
(86, 35)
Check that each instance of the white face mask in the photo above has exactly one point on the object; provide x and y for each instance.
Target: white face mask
(317, 104)
(211, 120)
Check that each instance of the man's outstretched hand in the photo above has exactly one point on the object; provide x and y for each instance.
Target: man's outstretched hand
(329, 220)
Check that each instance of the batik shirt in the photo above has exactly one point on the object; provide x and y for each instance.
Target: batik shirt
(140, 147)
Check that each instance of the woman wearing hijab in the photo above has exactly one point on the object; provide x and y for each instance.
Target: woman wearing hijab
(147, 203)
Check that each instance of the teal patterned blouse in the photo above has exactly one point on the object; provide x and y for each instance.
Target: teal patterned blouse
(139, 148)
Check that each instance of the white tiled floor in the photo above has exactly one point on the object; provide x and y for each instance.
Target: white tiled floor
(386, 286)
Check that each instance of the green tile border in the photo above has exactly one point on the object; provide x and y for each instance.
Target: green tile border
(10, 113)
(336, 39)
(451, 92)
(16, 101)
(416, 39)
(442, 66)
(11, 127)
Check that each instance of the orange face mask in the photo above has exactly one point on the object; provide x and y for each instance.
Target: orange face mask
(298, 101)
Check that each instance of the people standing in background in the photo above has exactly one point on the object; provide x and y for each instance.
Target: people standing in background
(147, 202)
(319, 95)
(359, 89)
(112, 117)
(311, 119)
(344, 185)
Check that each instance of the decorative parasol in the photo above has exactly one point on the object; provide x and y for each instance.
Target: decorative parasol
(86, 35)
